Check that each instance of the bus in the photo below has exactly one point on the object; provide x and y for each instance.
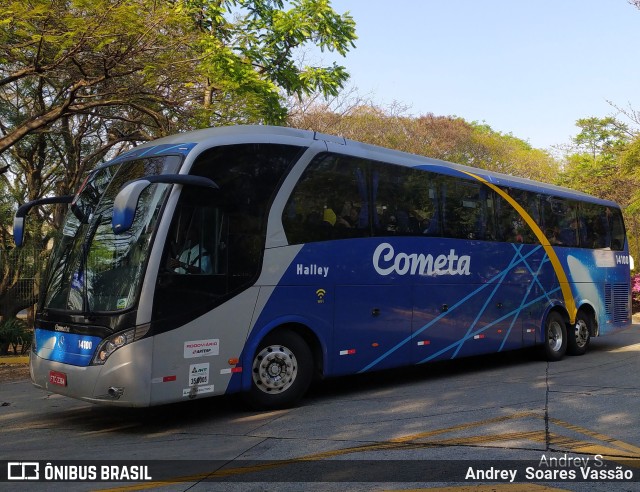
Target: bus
(253, 259)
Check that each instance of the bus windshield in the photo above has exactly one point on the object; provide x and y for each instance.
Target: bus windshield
(93, 269)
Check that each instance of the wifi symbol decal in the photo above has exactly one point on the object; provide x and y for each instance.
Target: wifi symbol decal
(321, 293)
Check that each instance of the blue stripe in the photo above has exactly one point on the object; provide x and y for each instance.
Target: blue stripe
(498, 278)
(493, 323)
(68, 348)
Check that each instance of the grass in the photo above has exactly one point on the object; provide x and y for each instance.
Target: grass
(14, 359)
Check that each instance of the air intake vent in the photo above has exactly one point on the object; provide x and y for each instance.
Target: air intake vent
(616, 300)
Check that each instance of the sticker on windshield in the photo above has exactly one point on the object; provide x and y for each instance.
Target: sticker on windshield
(122, 303)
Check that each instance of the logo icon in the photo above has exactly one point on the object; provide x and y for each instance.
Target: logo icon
(23, 470)
(321, 293)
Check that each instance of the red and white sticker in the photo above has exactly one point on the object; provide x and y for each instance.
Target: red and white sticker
(201, 348)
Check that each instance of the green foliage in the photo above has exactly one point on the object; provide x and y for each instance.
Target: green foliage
(81, 80)
(507, 154)
(75, 57)
(601, 136)
(630, 163)
(165, 65)
(442, 137)
(605, 162)
(14, 333)
(248, 49)
(595, 166)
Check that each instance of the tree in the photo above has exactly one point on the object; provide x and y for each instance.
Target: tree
(167, 64)
(70, 57)
(601, 137)
(441, 137)
(248, 49)
(594, 166)
(81, 80)
(603, 164)
(510, 155)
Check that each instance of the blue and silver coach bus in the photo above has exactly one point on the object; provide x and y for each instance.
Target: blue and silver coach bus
(249, 259)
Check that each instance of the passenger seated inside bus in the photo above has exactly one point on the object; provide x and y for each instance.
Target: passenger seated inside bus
(349, 216)
(191, 256)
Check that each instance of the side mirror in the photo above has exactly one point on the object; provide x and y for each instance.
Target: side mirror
(19, 221)
(18, 230)
(126, 201)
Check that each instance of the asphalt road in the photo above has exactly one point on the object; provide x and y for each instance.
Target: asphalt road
(453, 425)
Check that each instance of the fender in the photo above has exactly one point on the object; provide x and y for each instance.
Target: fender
(552, 304)
(596, 314)
(258, 334)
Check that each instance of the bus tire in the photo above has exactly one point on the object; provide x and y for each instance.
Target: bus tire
(281, 371)
(579, 334)
(555, 337)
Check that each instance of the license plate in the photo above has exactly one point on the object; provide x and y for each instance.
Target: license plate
(58, 378)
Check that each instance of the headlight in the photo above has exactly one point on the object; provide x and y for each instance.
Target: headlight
(109, 345)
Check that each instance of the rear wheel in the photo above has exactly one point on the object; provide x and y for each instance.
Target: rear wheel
(579, 334)
(281, 371)
(555, 343)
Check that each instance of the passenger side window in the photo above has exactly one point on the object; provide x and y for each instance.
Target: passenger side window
(616, 224)
(331, 201)
(595, 220)
(406, 201)
(560, 221)
(342, 197)
(511, 227)
(467, 210)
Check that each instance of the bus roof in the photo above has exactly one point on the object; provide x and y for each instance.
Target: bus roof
(183, 143)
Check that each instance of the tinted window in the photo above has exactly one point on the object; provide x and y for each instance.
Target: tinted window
(331, 201)
(559, 220)
(511, 227)
(468, 209)
(616, 224)
(248, 176)
(216, 240)
(340, 197)
(595, 221)
(406, 201)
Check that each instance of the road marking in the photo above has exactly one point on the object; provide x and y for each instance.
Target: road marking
(504, 487)
(614, 450)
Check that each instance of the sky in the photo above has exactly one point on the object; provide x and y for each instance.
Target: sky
(529, 68)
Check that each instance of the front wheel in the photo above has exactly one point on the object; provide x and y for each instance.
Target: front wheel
(281, 371)
(555, 339)
(579, 335)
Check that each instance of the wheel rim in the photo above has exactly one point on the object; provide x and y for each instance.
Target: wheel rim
(555, 336)
(582, 333)
(274, 369)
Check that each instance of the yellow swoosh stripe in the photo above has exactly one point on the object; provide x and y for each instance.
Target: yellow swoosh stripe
(569, 301)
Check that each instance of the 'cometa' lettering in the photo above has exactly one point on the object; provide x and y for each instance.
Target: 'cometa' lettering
(386, 262)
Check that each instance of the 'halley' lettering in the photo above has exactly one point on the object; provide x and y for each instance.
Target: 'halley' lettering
(312, 270)
(386, 262)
